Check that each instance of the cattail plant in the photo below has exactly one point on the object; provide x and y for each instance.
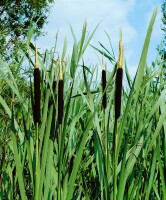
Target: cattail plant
(60, 96)
(104, 104)
(37, 119)
(36, 90)
(118, 93)
(104, 101)
(118, 83)
(60, 119)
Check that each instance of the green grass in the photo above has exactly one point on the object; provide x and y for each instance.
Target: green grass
(91, 155)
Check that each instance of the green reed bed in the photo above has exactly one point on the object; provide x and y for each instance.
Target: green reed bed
(77, 138)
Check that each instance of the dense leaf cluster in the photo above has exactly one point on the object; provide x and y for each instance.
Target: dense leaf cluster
(16, 18)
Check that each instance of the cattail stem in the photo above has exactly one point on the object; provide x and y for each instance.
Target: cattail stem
(106, 156)
(36, 167)
(114, 160)
(60, 163)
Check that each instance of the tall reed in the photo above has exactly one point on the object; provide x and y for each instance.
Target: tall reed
(37, 119)
(60, 119)
(104, 104)
(118, 93)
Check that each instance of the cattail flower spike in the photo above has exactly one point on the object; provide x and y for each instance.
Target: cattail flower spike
(104, 101)
(36, 90)
(60, 96)
(118, 83)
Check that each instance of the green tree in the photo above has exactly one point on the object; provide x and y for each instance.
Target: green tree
(163, 7)
(16, 18)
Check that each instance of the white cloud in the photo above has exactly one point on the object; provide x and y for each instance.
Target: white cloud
(112, 14)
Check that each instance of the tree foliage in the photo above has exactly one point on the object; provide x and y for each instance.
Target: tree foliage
(17, 17)
(163, 7)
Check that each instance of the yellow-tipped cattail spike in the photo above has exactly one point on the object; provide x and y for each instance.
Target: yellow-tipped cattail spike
(36, 59)
(60, 73)
(118, 82)
(120, 61)
(60, 96)
(103, 64)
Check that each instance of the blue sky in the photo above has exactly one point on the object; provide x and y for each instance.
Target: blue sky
(132, 16)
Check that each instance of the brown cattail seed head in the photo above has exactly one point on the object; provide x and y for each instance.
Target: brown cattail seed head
(36, 91)
(104, 101)
(118, 92)
(60, 96)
